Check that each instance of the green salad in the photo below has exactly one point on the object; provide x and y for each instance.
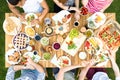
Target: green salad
(74, 33)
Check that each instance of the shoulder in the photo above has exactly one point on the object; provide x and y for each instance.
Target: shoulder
(40, 1)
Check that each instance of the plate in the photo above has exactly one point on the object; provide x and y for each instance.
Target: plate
(63, 16)
(64, 61)
(30, 31)
(61, 29)
(29, 17)
(12, 25)
(35, 57)
(44, 41)
(13, 56)
(110, 34)
(96, 20)
(20, 41)
(82, 55)
(93, 45)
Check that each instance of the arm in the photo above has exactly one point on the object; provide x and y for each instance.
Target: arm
(114, 64)
(104, 8)
(15, 11)
(45, 9)
(60, 75)
(84, 71)
(35, 65)
(77, 3)
(64, 7)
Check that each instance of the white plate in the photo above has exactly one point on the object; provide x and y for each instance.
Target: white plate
(32, 36)
(28, 15)
(93, 18)
(60, 15)
(16, 29)
(11, 52)
(82, 55)
(63, 59)
(36, 58)
(96, 45)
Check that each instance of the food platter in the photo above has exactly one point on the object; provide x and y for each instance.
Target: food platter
(110, 34)
(72, 43)
(29, 17)
(93, 45)
(63, 16)
(64, 61)
(96, 20)
(12, 25)
(20, 41)
(13, 56)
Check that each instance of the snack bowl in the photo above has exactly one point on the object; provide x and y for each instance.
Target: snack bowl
(13, 56)
(82, 55)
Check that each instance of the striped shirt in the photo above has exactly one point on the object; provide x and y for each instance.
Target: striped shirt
(97, 5)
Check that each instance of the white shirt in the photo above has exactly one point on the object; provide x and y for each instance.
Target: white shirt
(32, 6)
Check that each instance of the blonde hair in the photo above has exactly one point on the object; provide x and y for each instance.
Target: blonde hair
(62, 1)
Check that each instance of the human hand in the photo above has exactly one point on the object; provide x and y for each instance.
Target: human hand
(22, 18)
(77, 16)
(35, 21)
(29, 66)
(88, 63)
(30, 61)
(111, 55)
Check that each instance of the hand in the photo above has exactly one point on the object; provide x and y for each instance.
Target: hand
(35, 21)
(77, 16)
(28, 66)
(30, 61)
(88, 63)
(111, 55)
(40, 18)
(22, 18)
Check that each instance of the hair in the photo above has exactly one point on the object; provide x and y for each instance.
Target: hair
(62, 1)
(13, 2)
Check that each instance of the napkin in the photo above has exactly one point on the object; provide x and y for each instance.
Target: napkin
(55, 61)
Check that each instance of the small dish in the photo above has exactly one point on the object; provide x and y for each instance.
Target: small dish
(13, 56)
(82, 55)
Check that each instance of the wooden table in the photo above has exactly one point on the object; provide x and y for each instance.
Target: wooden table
(74, 59)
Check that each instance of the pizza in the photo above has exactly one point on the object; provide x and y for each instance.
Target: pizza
(110, 34)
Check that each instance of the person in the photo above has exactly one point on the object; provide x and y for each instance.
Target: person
(32, 71)
(29, 6)
(68, 73)
(96, 5)
(101, 74)
(70, 5)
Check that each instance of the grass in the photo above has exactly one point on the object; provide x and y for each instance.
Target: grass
(115, 7)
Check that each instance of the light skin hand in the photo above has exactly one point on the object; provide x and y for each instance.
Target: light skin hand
(77, 16)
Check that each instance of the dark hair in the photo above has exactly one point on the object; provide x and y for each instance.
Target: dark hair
(13, 2)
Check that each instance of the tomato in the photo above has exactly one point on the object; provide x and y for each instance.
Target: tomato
(65, 61)
(68, 16)
(87, 44)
